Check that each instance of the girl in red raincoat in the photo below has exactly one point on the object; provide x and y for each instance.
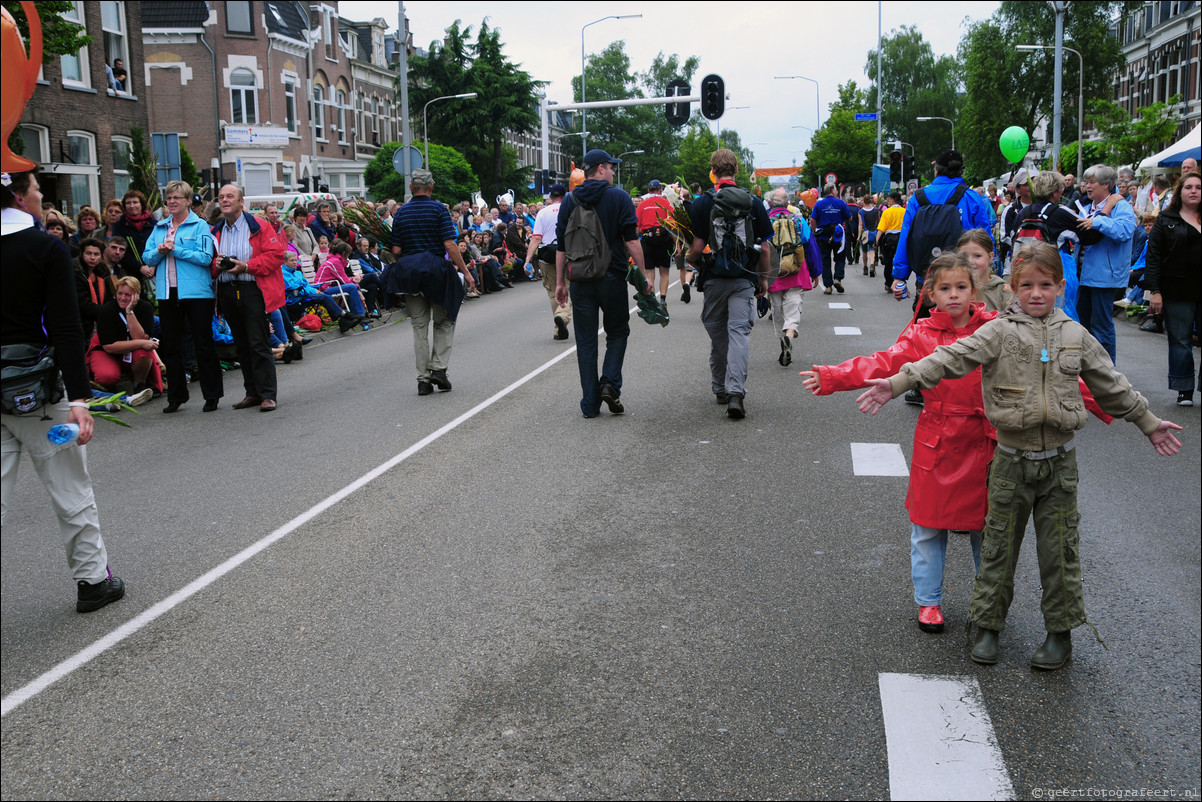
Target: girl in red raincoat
(953, 441)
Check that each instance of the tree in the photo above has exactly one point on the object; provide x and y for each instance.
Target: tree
(916, 83)
(454, 180)
(143, 168)
(1095, 153)
(842, 146)
(1128, 141)
(477, 128)
(187, 168)
(693, 155)
(1004, 86)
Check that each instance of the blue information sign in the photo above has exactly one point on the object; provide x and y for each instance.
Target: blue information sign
(866, 117)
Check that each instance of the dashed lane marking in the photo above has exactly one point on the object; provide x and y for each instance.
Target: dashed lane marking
(878, 459)
(847, 331)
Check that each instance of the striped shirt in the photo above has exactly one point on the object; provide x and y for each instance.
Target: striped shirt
(422, 226)
(235, 243)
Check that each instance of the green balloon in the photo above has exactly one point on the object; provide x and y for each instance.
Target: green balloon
(1014, 143)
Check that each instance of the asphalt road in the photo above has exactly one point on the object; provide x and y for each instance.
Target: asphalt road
(662, 604)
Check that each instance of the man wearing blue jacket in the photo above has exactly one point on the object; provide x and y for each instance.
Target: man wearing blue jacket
(1106, 258)
(974, 212)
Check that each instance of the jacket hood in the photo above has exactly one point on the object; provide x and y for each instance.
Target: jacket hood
(942, 320)
(591, 190)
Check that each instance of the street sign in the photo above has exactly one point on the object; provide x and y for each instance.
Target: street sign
(415, 160)
(830, 178)
(866, 117)
(911, 186)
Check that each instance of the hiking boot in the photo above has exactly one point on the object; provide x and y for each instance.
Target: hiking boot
(424, 387)
(734, 408)
(985, 649)
(1054, 652)
(439, 379)
(685, 295)
(872, 271)
(561, 328)
(839, 286)
(866, 270)
(930, 619)
(93, 597)
(722, 397)
(347, 322)
(609, 394)
(786, 351)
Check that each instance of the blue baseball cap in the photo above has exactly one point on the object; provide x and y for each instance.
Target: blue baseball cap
(654, 184)
(597, 156)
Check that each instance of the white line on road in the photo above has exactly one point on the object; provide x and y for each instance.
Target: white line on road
(940, 739)
(66, 667)
(878, 459)
(847, 331)
(837, 305)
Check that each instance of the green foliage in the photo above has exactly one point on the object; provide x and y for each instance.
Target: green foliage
(916, 83)
(1094, 153)
(842, 146)
(187, 168)
(1004, 86)
(143, 168)
(454, 179)
(699, 144)
(476, 127)
(1129, 141)
(59, 37)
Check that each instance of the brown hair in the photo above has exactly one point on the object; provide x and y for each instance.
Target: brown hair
(724, 163)
(978, 236)
(1175, 203)
(341, 248)
(946, 263)
(1038, 255)
(134, 193)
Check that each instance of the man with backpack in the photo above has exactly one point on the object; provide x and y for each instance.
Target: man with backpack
(730, 222)
(596, 227)
(935, 218)
(828, 219)
(656, 240)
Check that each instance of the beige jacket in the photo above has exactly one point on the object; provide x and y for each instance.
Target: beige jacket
(1029, 372)
(995, 294)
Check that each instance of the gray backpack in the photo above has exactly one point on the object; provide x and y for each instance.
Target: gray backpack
(731, 234)
(585, 246)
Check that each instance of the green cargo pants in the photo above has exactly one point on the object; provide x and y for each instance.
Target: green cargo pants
(1017, 487)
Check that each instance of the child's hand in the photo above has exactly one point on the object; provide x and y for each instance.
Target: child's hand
(1163, 441)
(812, 381)
(880, 392)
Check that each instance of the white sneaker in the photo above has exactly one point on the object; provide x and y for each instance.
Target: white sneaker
(138, 399)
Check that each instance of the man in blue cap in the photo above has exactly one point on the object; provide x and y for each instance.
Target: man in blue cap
(604, 298)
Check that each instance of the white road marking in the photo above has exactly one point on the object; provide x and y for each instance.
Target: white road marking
(846, 331)
(836, 305)
(878, 459)
(940, 739)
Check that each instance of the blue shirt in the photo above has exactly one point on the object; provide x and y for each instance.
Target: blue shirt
(423, 225)
(974, 213)
(829, 211)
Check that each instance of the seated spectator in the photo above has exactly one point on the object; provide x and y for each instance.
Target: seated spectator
(87, 224)
(323, 251)
(93, 283)
(301, 296)
(489, 268)
(122, 350)
(322, 225)
(333, 279)
(371, 269)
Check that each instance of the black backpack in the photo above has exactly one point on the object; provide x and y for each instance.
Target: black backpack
(935, 228)
(731, 233)
(1034, 229)
(585, 246)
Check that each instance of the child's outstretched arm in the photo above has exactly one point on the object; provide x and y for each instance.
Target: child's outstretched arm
(1162, 439)
(879, 393)
(812, 380)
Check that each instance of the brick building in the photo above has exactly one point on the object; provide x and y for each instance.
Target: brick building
(77, 126)
(1161, 45)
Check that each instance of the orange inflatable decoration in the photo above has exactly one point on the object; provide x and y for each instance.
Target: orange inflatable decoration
(18, 77)
(575, 178)
(809, 197)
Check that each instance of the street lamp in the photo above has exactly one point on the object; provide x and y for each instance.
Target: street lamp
(620, 155)
(426, 129)
(718, 123)
(1080, 98)
(817, 101)
(946, 120)
(584, 112)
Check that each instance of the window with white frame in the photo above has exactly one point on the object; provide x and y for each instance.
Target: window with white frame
(37, 143)
(319, 111)
(243, 98)
(82, 168)
(327, 33)
(340, 101)
(289, 172)
(122, 149)
(116, 42)
(256, 179)
(75, 66)
(385, 116)
(290, 104)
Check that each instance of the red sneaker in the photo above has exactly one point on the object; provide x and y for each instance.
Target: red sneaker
(930, 619)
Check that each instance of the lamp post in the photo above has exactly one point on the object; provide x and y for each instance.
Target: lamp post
(1080, 97)
(426, 129)
(620, 155)
(718, 123)
(946, 120)
(817, 100)
(584, 112)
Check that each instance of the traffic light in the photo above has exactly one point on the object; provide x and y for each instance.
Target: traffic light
(908, 165)
(540, 177)
(677, 113)
(895, 167)
(713, 97)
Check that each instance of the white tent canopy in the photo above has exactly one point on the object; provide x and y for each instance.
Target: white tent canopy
(1191, 140)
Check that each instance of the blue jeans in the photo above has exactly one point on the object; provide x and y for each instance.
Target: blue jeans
(832, 262)
(593, 301)
(1180, 319)
(1094, 307)
(352, 294)
(928, 548)
(278, 332)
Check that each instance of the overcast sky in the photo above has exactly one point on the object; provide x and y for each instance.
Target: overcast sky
(745, 43)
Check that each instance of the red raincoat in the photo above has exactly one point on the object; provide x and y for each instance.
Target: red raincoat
(953, 441)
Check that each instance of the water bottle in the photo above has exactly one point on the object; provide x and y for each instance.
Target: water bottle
(530, 271)
(63, 433)
(905, 292)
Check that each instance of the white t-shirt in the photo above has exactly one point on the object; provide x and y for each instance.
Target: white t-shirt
(544, 224)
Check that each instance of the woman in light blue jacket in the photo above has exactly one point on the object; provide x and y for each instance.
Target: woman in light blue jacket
(1106, 258)
(179, 254)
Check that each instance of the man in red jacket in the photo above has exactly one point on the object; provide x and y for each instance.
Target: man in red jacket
(249, 282)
